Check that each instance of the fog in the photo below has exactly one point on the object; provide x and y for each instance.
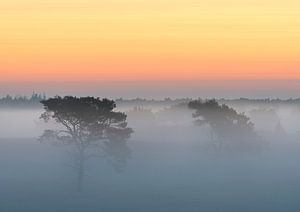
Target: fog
(169, 162)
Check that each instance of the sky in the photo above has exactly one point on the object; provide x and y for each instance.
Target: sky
(143, 40)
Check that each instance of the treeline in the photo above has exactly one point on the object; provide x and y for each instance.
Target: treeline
(34, 100)
(262, 101)
(151, 103)
(237, 103)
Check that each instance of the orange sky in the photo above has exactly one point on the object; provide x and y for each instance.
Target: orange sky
(149, 40)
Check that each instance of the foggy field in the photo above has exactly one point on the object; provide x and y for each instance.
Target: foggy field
(149, 106)
(169, 163)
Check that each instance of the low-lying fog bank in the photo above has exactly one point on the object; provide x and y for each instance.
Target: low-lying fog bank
(270, 118)
(169, 163)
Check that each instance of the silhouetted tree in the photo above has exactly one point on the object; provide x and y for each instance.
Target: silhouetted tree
(85, 122)
(229, 129)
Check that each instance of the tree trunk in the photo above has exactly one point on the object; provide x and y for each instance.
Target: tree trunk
(80, 176)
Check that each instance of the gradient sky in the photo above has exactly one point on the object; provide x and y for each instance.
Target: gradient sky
(72, 40)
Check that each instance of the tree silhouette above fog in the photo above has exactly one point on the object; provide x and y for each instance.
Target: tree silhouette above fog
(229, 129)
(90, 124)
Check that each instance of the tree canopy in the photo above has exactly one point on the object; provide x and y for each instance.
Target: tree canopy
(228, 126)
(85, 119)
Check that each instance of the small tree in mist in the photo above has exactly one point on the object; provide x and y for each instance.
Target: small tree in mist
(229, 129)
(86, 121)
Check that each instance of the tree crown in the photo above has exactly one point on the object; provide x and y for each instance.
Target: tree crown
(86, 118)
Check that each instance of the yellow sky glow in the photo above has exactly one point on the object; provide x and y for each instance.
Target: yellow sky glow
(153, 40)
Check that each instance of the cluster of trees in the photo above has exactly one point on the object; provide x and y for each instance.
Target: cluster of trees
(22, 101)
